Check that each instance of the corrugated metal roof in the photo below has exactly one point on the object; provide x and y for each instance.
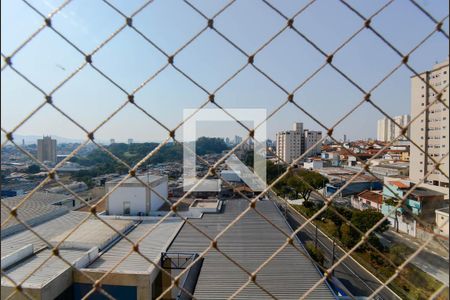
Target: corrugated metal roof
(249, 242)
(46, 230)
(152, 246)
(49, 270)
(38, 204)
(92, 233)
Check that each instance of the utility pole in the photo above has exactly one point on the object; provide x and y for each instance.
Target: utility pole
(315, 243)
(332, 259)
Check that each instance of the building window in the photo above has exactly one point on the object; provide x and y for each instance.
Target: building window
(126, 208)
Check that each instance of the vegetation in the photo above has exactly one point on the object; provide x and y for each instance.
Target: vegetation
(300, 183)
(331, 223)
(412, 283)
(315, 253)
(102, 163)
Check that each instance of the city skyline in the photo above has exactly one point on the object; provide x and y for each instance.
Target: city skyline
(211, 62)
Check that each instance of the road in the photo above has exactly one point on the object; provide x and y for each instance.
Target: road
(429, 262)
(353, 276)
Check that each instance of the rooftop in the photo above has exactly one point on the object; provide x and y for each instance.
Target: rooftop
(250, 241)
(91, 233)
(423, 192)
(37, 205)
(443, 210)
(399, 184)
(151, 246)
(147, 178)
(372, 196)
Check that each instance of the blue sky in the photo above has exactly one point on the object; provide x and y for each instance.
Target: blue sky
(129, 60)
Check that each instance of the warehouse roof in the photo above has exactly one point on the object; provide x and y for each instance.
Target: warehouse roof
(249, 242)
(151, 246)
(46, 230)
(37, 205)
(46, 272)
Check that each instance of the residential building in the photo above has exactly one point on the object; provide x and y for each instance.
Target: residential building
(312, 164)
(368, 200)
(290, 143)
(403, 121)
(383, 130)
(311, 139)
(46, 149)
(420, 202)
(387, 130)
(430, 131)
(293, 143)
(442, 221)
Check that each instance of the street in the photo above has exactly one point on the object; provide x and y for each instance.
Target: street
(432, 263)
(353, 276)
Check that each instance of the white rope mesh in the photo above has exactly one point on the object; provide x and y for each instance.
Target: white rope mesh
(289, 100)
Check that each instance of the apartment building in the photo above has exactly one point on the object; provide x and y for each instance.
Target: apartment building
(290, 143)
(388, 130)
(293, 143)
(430, 131)
(311, 138)
(46, 149)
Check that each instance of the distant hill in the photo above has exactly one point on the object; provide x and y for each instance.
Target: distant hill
(133, 153)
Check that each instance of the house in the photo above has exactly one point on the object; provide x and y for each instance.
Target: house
(312, 164)
(442, 221)
(368, 200)
(420, 202)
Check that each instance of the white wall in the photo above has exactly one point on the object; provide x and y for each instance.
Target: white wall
(136, 196)
(442, 223)
(155, 201)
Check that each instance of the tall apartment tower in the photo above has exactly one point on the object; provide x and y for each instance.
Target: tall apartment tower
(388, 131)
(382, 130)
(289, 143)
(46, 149)
(430, 131)
(311, 139)
(293, 143)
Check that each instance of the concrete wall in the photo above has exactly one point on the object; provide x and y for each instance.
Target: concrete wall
(135, 195)
(402, 226)
(17, 255)
(142, 282)
(155, 201)
(442, 223)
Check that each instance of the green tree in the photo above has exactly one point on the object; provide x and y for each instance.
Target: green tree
(274, 171)
(366, 219)
(349, 236)
(304, 182)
